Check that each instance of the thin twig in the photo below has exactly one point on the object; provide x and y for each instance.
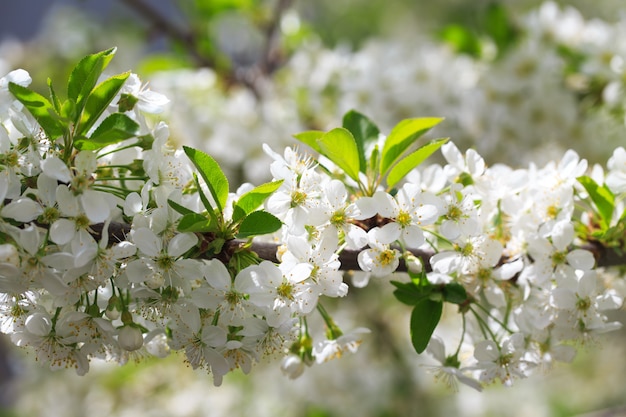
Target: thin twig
(159, 22)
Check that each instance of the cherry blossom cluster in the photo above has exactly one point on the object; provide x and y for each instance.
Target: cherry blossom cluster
(116, 245)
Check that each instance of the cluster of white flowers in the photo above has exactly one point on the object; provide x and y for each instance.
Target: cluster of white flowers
(114, 249)
(521, 104)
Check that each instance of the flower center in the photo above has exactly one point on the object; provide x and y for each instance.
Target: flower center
(297, 198)
(403, 219)
(454, 213)
(386, 257)
(285, 290)
(338, 218)
(165, 262)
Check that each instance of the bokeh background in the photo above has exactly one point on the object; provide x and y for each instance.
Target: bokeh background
(519, 80)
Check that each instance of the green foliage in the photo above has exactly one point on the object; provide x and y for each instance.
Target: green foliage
(251, 200)
(85, 75)
(339, 146)
(462, 39)
(310, 138)
(365, 133)
(402, 136)
(258, 223)
(115, 128)
(424, 319)
(411, 161)
(602, 198)
(212, 175)
(42, 110)
(196, 223)
(98, 100)
(427, 302)
(354, 149)
(74, 117)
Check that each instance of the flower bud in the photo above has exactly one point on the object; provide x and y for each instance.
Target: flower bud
(155, 280)
(114, 308)
(292, 366)
(130, 338)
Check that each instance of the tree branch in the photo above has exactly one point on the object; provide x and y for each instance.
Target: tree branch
(605, 257)
(186, 38)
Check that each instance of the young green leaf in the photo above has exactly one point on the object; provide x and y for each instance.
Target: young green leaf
(115, 128)
(41, 109)
(364, 132)
(179, 208)
(98, 101)
(310, 138)
(339, 146)
(410, 293)
(402, 136)
(54, 99)
(454, 293)
(195, 223)
(212, 175)
(424, 319)
(85, 75)
(404, 166)
(602, 198)
(258, 223)
(251, 200)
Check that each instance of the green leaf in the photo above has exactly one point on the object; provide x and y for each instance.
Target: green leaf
(424, 319)
(310, 138)
(127, 102)
(115, 128)
(258, 223)
(179, 208)
(212, 175)
(402, 136)
(454, 293)
(251, 200)
(41, 109)
(404, 166)
(98, 101)
(462, 40)
(602, 198)
(85, 75)
(499, 27)
(339, 146)
(195, 223)
(53, 97)
(364, 132)
(410, 293)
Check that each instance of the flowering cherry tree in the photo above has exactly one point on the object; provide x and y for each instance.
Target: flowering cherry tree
(115, 245)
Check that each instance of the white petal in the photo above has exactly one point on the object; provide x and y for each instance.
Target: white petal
(486, 351)
(54, 167)
(95, 205)
(39, 324)
(563, 298)
(62, 231)
(217, 275)
(385, 235)
(181, 243)
(147, 242)
(60, 260)
(138, 271)
(86, 162)
(581, 259)
(132, 204)
(23, 210)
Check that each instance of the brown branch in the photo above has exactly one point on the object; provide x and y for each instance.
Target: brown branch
(605, 257)
(270, 58)
(159, 22)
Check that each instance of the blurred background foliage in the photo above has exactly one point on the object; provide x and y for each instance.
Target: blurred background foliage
(243, 72)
